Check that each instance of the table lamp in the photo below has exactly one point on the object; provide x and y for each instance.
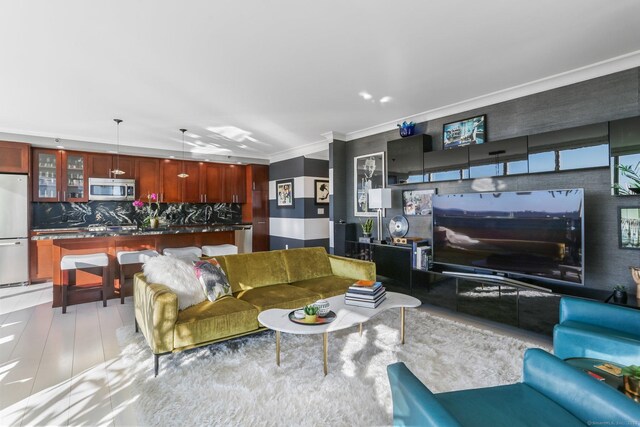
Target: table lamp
(380, 198)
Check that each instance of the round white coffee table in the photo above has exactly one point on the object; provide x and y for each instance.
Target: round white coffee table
(347, 316)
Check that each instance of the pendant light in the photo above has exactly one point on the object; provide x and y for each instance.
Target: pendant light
(117, 170)
(183, 174)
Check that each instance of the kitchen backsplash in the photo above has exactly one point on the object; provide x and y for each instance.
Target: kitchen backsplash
(68, 215)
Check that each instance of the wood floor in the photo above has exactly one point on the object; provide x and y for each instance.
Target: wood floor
(62, 370)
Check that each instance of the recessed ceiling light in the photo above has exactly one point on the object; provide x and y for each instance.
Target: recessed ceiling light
(385, 99)
(111, 151)
(239, 163)
(242, 146)
(172, 157)
(60, 146)
(365, 95)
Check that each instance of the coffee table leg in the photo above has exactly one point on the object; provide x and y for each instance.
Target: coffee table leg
(325, 337)
(278, 348)
(402, 325)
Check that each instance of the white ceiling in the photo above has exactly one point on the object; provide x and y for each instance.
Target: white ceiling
(264, 79)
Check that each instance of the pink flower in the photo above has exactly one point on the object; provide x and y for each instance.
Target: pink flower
(138, 203)
(153, 196)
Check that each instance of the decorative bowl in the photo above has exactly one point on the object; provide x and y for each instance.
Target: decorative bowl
(299, 314)
(323, 307)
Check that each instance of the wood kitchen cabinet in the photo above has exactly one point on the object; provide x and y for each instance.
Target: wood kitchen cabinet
(102, 166)
(147, 175)
(191, 185)
(233, 184)
(170, 190)
(211, 181)
(256, 209)
(14, 157)
(41, 260)
(59, 176)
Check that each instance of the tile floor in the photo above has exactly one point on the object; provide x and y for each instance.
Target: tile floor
(61, 370)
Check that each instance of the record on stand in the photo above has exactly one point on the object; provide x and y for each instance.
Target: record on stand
(398, 226)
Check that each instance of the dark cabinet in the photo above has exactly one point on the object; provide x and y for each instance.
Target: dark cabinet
(624, 139)
(405, 159)
(445, 165)
(212, 182)
(103, 165)
(170, 189)
(233, 184)
(147, 176)
(59, 176)
(191, 185)
(498, 158)
(257, 208)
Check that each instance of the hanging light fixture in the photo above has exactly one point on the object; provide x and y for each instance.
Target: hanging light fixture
(183, 174)
(117, 170)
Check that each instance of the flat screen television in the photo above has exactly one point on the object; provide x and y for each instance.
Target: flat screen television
(536, 234)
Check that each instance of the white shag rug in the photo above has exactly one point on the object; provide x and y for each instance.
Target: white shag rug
(238, 383)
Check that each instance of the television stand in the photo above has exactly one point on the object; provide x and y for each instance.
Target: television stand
(498, 280)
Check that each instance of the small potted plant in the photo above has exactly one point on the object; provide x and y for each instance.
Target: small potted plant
(310, 313)
(620, 294)
(367, 226)
(631, 378)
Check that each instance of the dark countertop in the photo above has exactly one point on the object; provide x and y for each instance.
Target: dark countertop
(84, 233)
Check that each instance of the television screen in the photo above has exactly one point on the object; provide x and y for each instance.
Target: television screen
(464, 132)
(531, 233)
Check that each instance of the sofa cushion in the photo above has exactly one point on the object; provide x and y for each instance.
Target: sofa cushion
(510, 405)
(178, 275)
(327, 286)
(306, 263)
(212, 278)
(209, 321)
(278, 296)
(248, 271)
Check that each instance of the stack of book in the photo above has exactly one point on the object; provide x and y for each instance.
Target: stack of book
(365, 293)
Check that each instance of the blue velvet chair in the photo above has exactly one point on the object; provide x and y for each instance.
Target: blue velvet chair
(551, 393)
(597, 330)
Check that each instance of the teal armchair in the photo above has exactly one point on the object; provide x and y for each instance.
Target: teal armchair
(551, 393)
(597, 330)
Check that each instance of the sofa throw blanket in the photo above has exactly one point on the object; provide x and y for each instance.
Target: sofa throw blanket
(177, 275)
(212, 279)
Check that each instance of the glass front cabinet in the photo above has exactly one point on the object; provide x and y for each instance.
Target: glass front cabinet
(59, 176)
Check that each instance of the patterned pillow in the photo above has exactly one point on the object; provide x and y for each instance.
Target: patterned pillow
(212, 278)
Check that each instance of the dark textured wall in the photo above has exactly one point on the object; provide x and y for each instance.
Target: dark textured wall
(606, 98)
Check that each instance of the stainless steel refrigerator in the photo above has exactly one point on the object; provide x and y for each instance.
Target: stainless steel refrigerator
(14, 230)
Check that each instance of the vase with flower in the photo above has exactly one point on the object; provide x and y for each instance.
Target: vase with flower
(151, 220)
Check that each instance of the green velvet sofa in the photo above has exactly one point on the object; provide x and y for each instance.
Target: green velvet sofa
(259, 281)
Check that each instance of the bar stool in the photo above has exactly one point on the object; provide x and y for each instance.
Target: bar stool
(218, 250)
(70, 263)
(131, 259)
(186, 252)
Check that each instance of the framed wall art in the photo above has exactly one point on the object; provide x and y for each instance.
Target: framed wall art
(417, 202)
(284, 193)
(464, 132)
(368, 173)
(629, 227)
(321, 191)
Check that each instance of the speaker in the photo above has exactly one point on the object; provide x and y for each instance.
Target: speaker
(342, 232)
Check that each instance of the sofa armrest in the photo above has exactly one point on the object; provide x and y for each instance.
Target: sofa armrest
(352, 268)
(611, 316)
(413, 403)
(156, 311)
(586, 398)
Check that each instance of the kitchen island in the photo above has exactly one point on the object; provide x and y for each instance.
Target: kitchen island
(49, 246)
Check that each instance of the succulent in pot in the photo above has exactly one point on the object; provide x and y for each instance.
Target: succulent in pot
(367, 226)
(620, 294)
(632, 380)
(310, 313)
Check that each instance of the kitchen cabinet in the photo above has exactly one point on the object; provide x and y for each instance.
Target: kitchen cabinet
(257, 207)
(41, 260)
(147, 175)
(59, 176)
(233, 184)
(190, 186)
(102, 166)
(170, 190)
(212, 182)
(14, 157)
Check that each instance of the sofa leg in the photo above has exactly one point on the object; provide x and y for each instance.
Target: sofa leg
(136, 323)
(156, 363)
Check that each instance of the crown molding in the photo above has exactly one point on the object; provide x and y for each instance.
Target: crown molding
(599, 69)
(302, 150)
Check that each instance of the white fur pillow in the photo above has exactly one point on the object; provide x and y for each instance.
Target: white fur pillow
(177, 275)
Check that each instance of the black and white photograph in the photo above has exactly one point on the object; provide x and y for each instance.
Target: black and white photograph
(629, 232)
(368, 173)
(321, 191)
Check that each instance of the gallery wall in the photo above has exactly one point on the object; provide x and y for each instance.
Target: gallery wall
(305, 224)
(603, 99)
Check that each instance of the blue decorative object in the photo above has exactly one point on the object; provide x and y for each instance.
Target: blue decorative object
(407, 129)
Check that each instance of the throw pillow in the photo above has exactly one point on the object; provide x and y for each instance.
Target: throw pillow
(212, 278)
(177, 275)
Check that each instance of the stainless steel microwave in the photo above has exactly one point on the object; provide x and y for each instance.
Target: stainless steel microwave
(112, 189)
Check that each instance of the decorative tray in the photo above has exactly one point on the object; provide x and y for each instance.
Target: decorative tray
(330, 317)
